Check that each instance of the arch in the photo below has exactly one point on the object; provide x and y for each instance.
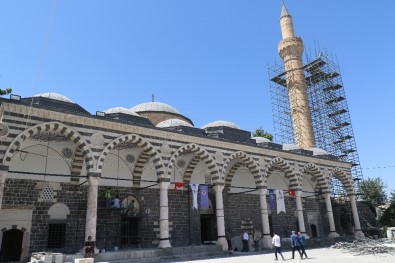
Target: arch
(11, 245)
(56, 127)
(322, 181)
(248, 162)
(345, 179)
(295, 179)
(58, 211)
(203, 156)
(148, 151)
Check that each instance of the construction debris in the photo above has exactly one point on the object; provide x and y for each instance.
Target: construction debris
(367, 246)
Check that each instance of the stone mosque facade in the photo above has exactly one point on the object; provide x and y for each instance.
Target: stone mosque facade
(57, 161)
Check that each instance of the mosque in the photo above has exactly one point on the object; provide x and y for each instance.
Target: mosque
(177, 184)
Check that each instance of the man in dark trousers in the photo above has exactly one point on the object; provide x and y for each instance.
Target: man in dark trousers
(302, 242)
(244, 238)
(295, 245)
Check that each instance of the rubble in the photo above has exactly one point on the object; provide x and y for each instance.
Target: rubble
(367, 246)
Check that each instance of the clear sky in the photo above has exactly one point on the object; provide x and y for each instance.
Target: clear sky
(207, 58)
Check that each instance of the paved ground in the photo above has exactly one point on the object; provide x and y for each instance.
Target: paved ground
(319, 255)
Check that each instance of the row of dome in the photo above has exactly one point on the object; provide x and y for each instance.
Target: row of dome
(179, 119)
(172, 118)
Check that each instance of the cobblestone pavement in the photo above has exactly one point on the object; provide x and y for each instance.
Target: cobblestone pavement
(319, 255)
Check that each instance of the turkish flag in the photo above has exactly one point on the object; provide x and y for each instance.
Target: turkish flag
(291, 193)
(178, 185)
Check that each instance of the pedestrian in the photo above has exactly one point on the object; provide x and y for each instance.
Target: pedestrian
(89, 248)
(244, 237)
(256, 237)
(228, 239)
(276, 243)
(108, 196)
(302, 242)
(295, 245)
(115, 202)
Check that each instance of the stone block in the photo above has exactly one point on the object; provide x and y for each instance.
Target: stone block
(84, 260)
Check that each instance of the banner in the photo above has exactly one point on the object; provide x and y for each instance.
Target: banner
(280, 201)
(194, 188)
(291, 193)
(203, 196)
(271, 199)
(178, 185)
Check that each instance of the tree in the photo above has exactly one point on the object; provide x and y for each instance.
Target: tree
(262, 133)
(388, 218)
(373, 191)
(392, 197)
(5, 91)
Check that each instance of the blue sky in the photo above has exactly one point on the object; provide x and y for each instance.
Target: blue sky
(206, 58)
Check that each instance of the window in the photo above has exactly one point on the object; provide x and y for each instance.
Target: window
(56, 235)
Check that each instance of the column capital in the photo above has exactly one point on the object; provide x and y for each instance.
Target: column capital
(93, 174)
(164, 185)
(218, 188)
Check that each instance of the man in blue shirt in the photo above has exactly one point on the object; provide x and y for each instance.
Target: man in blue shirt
(302, 242)
(295, 245)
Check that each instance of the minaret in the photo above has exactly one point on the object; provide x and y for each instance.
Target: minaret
(290, 49)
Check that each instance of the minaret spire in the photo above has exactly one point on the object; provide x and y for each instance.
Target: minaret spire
(290, 49)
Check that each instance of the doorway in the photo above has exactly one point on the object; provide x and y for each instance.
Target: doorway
(130, 231)
(207, 224)
(314, 232)
(11, 245)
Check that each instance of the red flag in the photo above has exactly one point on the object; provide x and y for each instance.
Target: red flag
(178, 185)
(291, 193)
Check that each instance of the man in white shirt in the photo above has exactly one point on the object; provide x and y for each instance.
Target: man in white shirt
(245, 241)
(276, 243)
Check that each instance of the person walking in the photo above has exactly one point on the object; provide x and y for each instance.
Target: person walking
(276, 243)
(302, 242)
(244, 237)
(295, 245)
(257, 238)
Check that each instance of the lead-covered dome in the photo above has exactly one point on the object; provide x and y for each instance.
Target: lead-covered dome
(154, 106)
(261, 139)
(54, 96)
(173, 123)
(221, 124)
(121, 110)
(318, 151)
(290, 147)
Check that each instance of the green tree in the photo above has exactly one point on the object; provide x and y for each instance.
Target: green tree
(5, 91)
(388, 218)
(262, 133)
(392, 197)
(373, 191)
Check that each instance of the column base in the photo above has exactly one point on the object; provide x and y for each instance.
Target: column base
(164, 243)
(267, 242)
(222, 241)
(333, 235)
(359, 234)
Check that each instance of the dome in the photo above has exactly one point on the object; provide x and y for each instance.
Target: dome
(54, 96)
(289, 147)
(154, 106)
(261, 139)
(173, 123)
(121, 110)
(318, 151)
(221, 124)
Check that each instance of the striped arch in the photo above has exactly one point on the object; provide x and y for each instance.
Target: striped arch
(345, 179)
(295, 180)
(242, 159)
(190, 168)
(63, 129)
(139, 167)
(202, 155)
(148, 152)
(315, 171)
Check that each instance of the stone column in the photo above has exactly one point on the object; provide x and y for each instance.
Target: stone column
(329, 213)
(299, 210)
(220, 216)
(267, 241)
(3, 174)
(358, 230)
(164, 216)
(91, 209)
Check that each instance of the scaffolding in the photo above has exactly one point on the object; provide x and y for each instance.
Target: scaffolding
(329, 112)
